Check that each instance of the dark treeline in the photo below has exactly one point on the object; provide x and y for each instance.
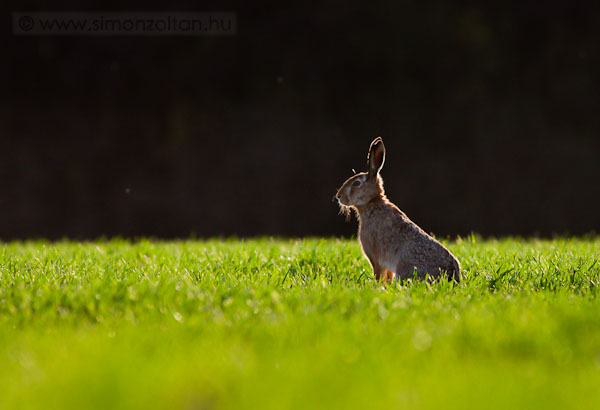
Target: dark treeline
(490, 113)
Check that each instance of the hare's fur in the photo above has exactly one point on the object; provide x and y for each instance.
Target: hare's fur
(394, 245)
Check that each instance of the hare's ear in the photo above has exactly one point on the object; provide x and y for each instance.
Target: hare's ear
(376, 157)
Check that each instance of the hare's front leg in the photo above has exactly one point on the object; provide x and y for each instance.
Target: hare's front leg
(382, 274)
(388, 276)
(378, 271)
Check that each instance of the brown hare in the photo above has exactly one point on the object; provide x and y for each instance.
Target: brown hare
(394, 245)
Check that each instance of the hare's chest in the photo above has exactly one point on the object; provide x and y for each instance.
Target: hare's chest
(369, 246)
(376, 249)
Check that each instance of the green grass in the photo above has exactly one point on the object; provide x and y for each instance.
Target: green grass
(281, 324)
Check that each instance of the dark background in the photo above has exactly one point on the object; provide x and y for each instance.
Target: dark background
(490, 113)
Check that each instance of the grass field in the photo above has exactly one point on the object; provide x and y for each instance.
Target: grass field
(283, 324)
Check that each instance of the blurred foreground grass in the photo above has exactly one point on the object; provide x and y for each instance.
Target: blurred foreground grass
(284, 324)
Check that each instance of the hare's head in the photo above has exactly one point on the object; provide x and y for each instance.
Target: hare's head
(363, 187)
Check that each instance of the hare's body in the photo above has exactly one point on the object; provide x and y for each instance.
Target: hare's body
(393, 244)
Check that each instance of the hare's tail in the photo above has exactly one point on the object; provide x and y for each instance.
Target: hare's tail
(454, 271)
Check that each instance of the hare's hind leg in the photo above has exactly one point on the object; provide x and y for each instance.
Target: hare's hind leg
(405, 271)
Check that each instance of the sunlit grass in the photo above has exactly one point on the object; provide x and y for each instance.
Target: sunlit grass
(276, 324)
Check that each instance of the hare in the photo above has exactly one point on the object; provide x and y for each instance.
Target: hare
(394, 245)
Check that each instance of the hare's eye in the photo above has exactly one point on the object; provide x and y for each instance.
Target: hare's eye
(356, 183)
